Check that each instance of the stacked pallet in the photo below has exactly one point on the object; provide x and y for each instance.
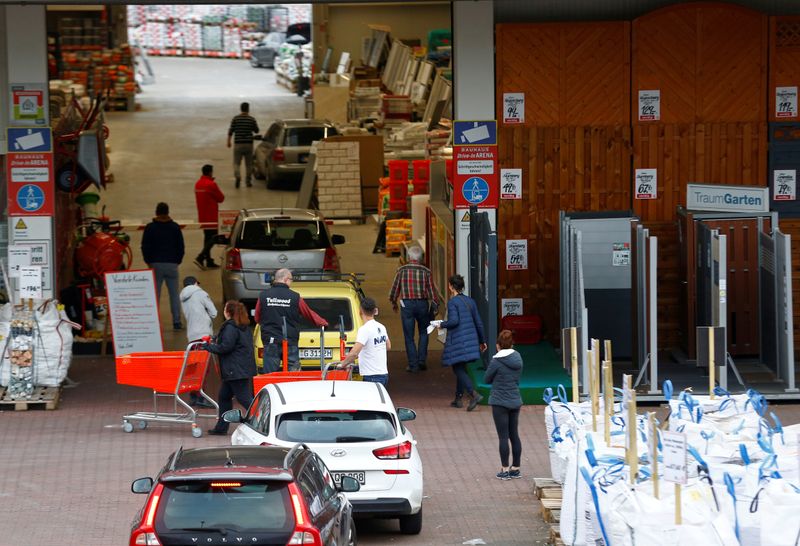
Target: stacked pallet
(398, 232)
(549, 492)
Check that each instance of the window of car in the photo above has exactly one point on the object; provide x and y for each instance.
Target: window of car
(282, 235)
(330, 427)
(316, 485)
(272, 134)
(330, 309)
(255, 506)
(304, 136)
(258, 415)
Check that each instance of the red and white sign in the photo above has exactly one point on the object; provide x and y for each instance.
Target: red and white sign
(226, 220)
(25, 167)
(30, 184)
(513, 108)
(785, 185)
(649, 104)
(476, 177)
(646, 183)
(786, 102)
(516, 254)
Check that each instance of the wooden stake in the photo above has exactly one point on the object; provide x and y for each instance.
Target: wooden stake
(712, 371)
(678, 517)
(632, 452)
(608, 400)
(573, 343)
(651, 420)
(607, 344)
(594, 381)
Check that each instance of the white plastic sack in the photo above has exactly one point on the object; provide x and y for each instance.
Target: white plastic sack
(778, 508)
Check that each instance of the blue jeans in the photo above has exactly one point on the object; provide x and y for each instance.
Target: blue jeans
(463, 383)
(415, 312)
(273, 356)
(168, 273)
(382, 378)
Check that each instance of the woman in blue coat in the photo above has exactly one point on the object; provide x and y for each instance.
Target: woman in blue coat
(465, 340)
(237, 364)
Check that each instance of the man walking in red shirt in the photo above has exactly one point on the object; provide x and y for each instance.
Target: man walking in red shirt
(208, 197)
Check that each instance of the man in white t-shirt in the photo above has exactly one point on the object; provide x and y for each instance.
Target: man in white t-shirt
(372, 342)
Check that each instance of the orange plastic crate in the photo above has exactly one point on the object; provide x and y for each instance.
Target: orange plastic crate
(160, 371)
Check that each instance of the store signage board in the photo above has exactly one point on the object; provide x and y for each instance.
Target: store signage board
(646, 183)
(516, 254)
(510, 307)
(784, 187)
(475, 133)
(649, 105)
(30, 282)
(27, 101)
(133, 310)
(510, 183)
(674, 451)
(29, 172)
(513, 108)
(786, 102)
(18, 256)
(34, 167)
(226, 219)
(29, 139)
(36, 234)
(715, 197)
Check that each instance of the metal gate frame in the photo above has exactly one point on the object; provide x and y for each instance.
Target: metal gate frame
(483, 274)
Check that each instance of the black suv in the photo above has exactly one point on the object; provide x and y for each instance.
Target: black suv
(244, 495)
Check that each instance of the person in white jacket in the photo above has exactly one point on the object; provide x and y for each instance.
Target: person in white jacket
(199, 312)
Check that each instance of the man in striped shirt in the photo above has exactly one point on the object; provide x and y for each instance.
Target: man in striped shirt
(412, 290)
(243, 127)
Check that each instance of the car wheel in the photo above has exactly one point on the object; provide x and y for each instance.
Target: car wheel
(411, 525)
(270, 181)
(352, 537)
(254, 61)
(275, 61)
(257, 172)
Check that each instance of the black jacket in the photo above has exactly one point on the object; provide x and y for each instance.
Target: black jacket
(162, 241)
(234, 345)
(503, 375)
(275, 303)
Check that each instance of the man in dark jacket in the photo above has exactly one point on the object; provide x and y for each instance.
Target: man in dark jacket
(208, 197)
(162, 249)
(275, 304)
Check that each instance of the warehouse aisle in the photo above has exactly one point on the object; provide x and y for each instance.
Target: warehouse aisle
(157, 152)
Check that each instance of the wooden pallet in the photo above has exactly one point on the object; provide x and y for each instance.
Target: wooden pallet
(549, 509)
(546, 488)
(555, 535)
(46, 397)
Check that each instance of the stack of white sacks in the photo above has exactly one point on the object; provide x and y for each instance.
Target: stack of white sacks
(743, 485)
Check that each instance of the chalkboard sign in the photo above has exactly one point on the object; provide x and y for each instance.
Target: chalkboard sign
(133, 311)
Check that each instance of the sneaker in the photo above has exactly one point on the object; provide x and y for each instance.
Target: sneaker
(238, 183)
(503, 475)
(457, 403)
(217, 432)
(211, 264)
(423, 367)
(199, 263)
(475, 399)
(514, 474)
(409, 369)
(177, 326)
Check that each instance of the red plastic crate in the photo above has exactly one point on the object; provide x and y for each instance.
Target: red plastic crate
(527, 329)
(398, 170)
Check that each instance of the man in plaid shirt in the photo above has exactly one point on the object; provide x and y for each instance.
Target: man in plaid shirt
(412, 290)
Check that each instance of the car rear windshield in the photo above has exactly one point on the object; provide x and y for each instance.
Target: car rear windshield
(330, 309)
(256, 506)
(331, 427)
(304, 136)
(282, 235)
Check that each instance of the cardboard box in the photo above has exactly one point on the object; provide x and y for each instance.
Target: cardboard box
(371, 162)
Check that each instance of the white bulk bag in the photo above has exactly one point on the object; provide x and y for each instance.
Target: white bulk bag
(778, 509)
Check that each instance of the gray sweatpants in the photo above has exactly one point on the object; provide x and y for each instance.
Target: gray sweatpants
(243, 151)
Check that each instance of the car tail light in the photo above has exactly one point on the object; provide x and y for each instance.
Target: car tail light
(304, 532)
(278, 155)
(395, 471)
(331, 262)
(399, 451)
(145, 534)
(233, 260)
(226, 484)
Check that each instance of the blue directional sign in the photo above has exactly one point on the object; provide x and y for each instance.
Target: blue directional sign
(29, 139)
(30, 198)
(475, 133)
(475, 190)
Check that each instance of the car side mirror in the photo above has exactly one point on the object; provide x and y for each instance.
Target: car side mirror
(232, 416)
(142, 485)
(349, 484)
(337, 239)
(221, 239)
(406, 414)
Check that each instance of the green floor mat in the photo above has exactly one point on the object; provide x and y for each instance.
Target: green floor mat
(541, 369)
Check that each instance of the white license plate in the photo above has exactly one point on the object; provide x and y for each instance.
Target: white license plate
(307, 354)
(360, 476)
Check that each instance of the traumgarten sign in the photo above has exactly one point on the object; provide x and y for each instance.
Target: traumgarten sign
(727, 198)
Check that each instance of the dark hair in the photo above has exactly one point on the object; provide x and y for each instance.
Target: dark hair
(238, 312)
(189, 280)
(369, 306)
(505, 339)
(245, 107)
(208, 170)
(457, 282)
(162, 209)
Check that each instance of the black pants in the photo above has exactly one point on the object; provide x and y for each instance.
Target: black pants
(506, 421)
(242, 389)
(208, 243)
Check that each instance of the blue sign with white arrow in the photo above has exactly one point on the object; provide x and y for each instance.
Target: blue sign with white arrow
(29, 139)
(475, 133)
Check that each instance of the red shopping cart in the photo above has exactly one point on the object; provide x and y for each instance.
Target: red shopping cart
(169, 374)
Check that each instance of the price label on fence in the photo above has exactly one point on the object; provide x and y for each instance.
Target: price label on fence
(510, 183)
(646, 183)
(510, 307)
(786, 102)
(513, 108)
(650, 105)
(675, 452)
(784, 187)
(30, 282)
(516, 254)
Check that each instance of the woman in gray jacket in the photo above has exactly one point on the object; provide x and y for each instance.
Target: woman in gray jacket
(503, 375)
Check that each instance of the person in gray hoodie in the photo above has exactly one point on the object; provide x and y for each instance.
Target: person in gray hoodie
(503, 375)
(199, 312)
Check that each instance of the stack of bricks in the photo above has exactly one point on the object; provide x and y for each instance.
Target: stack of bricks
(339, 179)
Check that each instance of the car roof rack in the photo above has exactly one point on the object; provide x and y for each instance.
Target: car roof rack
(293, 453)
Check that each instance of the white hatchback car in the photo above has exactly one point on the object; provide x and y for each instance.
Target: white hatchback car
(356, 430)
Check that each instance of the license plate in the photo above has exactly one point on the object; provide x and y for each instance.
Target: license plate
(307, 354)
(267, 278)
(303, 158)
(360, 476)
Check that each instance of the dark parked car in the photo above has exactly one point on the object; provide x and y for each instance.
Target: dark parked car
(283, 153)
(244, 495)
(265, 53)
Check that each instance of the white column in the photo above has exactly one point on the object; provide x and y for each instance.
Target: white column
(473, 90)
